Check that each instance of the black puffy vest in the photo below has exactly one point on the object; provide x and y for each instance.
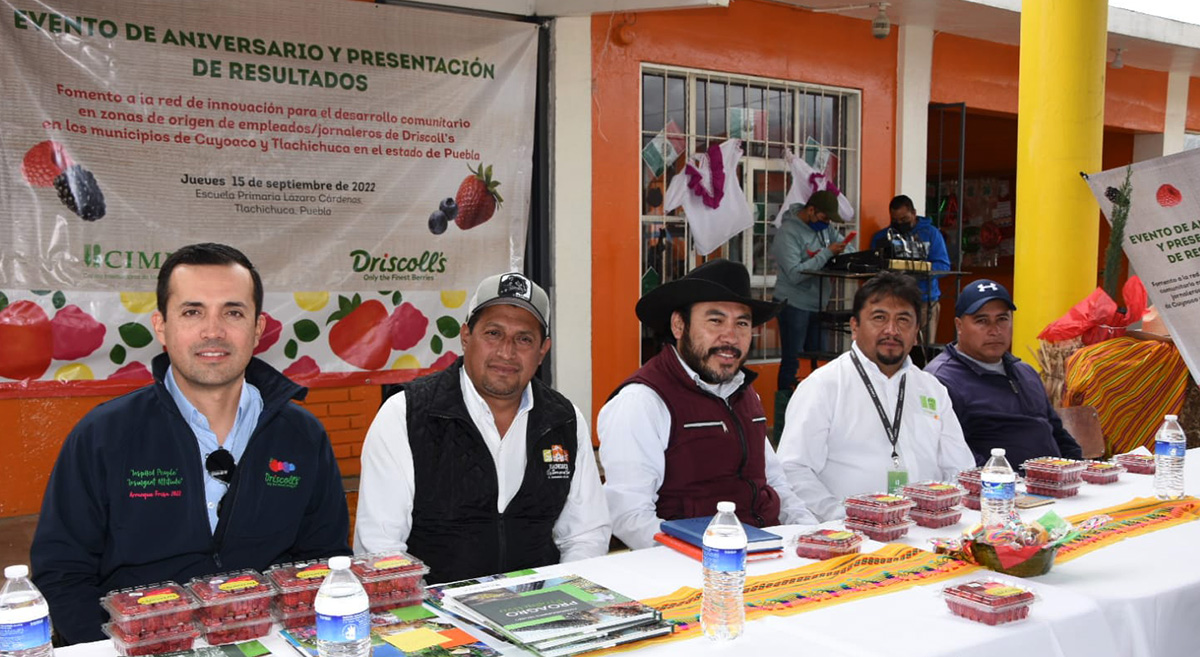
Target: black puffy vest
(456, 529)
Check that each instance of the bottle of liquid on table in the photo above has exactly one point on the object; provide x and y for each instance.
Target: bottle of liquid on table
(343, 613)
(722, 613)
(996, 499)
(24, 616)
(1170, 445)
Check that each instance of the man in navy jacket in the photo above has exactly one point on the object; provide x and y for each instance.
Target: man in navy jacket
(209, 469)
(999, 400)
(907, 228)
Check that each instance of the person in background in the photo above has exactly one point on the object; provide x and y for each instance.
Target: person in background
(870, 419)
(481, 468)
(1000, 401)
(210, 469)
(907, 228)
(687, 430)
(806, 240)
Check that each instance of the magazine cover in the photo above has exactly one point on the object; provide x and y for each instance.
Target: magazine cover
(538, 608)
(404, 632)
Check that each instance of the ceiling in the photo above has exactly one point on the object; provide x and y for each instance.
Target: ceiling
(1148, 42)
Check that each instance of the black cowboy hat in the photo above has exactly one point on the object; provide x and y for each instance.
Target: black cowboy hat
(715, 280)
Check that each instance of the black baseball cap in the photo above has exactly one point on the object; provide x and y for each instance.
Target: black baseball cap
(977, 293)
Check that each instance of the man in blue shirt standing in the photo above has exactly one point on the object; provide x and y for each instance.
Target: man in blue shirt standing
(910, 229)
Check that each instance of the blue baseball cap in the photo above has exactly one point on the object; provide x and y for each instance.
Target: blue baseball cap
(977, 293)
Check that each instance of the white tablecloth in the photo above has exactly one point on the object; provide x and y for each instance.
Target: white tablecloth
(1136, 598)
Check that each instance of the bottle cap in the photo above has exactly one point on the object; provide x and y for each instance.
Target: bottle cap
(1172, 418)
(15, 571)
(726, 507)
(339, 563)
(997, 451)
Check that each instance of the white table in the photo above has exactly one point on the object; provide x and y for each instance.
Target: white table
(1135, 598)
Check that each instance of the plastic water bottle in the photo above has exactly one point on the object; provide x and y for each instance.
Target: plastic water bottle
(996, 500)
(343, 613)
(24, 616)
(722, 613)
(1170, 445)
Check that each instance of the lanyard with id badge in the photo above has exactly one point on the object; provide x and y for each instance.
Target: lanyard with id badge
(897, 476)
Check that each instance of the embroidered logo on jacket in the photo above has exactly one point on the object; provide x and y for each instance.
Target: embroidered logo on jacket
(557, 462)
(281, 480)
(149, 483)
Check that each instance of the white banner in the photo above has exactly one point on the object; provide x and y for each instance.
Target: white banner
(350, 149)
(1162, 238)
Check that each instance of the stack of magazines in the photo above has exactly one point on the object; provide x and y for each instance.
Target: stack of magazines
(553, 616)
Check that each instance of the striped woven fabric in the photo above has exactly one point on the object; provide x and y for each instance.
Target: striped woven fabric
(1131, 383)
(893, 567)
(1141, 515)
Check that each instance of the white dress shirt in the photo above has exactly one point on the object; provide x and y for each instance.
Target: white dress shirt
(635, 428)
(834, 444)
(386, 488)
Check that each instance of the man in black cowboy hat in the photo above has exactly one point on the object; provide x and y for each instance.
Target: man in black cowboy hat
(687, 430)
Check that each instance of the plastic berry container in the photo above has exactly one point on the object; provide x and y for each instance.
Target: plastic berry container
(1054, 469)
(245, 630)
(294, 618)
(879, 531)
(827, 543)
(1052, 488)
(933, 495)
(879, 508)
(392, 579)
(969, 479)
(182, 639)
(972, 502)
(936, 519)
(233, 597)
(989, 601)
(1136, 463)
(297, 584)
(1102, 472)
(150, 611)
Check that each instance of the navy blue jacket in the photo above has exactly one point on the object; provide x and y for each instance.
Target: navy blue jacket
(1008, 410)
(939, 257)
(125, 503)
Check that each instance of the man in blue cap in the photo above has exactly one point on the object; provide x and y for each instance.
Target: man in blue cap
(1000, 401)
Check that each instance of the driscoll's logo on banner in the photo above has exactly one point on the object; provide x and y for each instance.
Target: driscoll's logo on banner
(397, 267)
(95, 255)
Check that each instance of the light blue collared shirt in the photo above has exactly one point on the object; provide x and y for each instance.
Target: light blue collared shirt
(250, 406)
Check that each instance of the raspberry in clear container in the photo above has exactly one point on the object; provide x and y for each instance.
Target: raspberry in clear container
(245, 630)
(1054, 469)
(127, 645)
(880, 508)
(297, 584)
(1136, 463)
(1102, 472)
(969, 479)
(936, 519)
(1052, 488)
(827, 543)
(294, 618)
(232, 597)
(972, 502)
(879, 531)
(933, 495)
(989, 601)
(392, 579)
(148, 611)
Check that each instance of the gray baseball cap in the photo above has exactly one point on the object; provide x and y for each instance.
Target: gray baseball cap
(512, 289)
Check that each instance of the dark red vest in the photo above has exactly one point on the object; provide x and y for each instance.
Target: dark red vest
(715, 451)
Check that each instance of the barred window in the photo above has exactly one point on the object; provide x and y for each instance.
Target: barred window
(684, 111)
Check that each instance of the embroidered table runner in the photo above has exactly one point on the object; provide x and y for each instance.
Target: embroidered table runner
(1138, 516)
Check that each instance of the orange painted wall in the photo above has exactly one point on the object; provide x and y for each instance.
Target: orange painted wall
(35, 428)
(1193, 112)
(980, 73)
(749, 37)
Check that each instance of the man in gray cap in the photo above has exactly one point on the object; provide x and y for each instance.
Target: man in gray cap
(687, 430)
(805, 242)
(482, 468)
(999, 400)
